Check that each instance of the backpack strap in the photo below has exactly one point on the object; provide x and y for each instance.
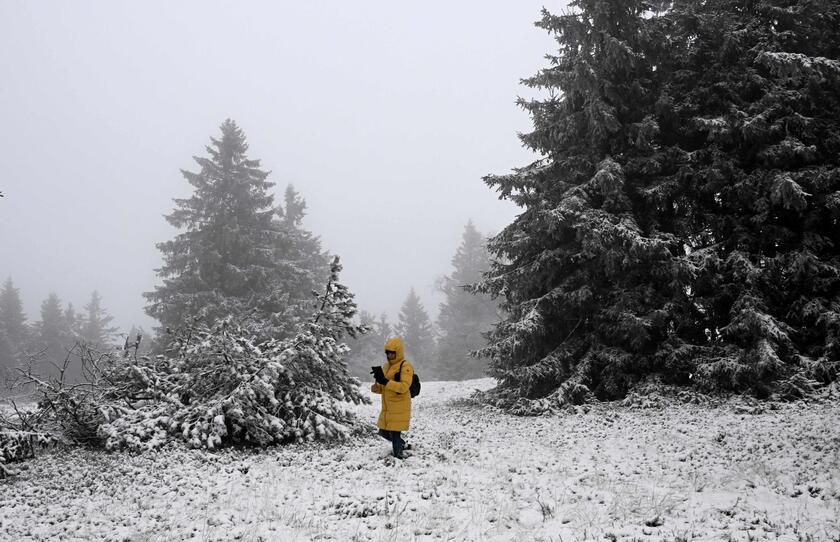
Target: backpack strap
(397, 377)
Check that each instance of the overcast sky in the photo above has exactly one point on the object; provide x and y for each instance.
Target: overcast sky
(384, 115)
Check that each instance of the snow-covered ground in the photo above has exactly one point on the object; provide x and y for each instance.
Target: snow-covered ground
(675, 472)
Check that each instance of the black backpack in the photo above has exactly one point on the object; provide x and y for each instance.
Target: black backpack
(414, 388)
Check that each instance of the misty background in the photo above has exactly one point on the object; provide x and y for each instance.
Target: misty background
(383, 116)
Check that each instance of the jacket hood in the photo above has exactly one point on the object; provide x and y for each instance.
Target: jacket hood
(396, 344)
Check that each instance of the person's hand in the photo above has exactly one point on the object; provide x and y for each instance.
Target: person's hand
(379, 376)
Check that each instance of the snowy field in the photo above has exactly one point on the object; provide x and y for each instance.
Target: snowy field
(673, 472)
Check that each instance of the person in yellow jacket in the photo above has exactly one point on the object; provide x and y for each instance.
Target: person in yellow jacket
(393, 381)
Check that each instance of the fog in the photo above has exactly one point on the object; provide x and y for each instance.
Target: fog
(383, 115)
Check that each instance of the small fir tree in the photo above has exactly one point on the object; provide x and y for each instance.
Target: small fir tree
(415, 329)
(51, 333)
(13, 327)
(367, 350)
(383, 328)
(95, 328)
(73, 322)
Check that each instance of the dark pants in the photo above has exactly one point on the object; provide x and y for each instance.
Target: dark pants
(396, 440)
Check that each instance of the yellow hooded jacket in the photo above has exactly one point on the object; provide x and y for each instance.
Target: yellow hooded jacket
(396, 400)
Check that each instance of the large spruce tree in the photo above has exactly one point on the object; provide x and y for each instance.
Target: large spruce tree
(465, 317)
(754, 103)
(235, 255)
(682, 218)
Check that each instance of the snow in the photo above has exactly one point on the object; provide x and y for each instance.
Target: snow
(607, 472)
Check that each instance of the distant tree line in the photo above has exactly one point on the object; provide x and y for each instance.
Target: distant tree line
(444, 349)
(47, 342)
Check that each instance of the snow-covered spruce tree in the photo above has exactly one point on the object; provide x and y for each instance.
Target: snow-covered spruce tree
(415, 329)
(682, 218)
(585, 274)
(751, 100)
(235, 254)
(464, 316)
(226, 384)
